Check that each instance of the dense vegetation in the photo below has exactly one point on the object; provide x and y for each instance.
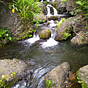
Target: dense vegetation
(26, 10)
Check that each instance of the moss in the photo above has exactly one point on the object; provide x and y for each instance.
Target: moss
(45, 34)
(53, 18)
(28, 35)
(49, 84)
(84, 85)
(4, 83)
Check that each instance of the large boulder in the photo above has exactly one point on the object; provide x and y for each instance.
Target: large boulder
(60, 6)
(39, 17)
(13, 70)
(82, 75)
(63, 29)
(80, 39)
(45, 34)
(58, 75)
(8, 67)
(10, 20)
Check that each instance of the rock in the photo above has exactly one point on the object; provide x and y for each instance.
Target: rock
(58, 75)
(80, 39)
(45, 34)
(53, 17)
(39, 17)
(10, 20)
(82, 73)
(70, 5)
(12, 69)
(61, 7)
(63, 30)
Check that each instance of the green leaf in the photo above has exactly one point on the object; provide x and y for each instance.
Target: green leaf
(10, 38)
(79, 2)
(49, 81)
(10, 6)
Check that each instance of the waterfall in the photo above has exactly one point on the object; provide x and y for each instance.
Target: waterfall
(48, 10)
(49, 1)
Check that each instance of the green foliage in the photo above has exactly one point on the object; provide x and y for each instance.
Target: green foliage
(2, 84)
(29, 33)
(5, 35)
(60, 22)
(63, 1)
(81, 37)
(26, 9)
(84, 85)
(49, 84)
(66, 35)
(82, 7)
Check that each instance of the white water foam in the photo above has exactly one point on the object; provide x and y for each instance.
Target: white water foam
(33, 39)
(49, 43)
(48, 10)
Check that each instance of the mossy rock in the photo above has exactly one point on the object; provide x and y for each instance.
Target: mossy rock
(82, 75)
(45, 34)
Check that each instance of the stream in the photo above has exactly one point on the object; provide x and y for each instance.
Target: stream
(45, 54)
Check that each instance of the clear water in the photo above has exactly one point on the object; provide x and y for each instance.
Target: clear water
(63, 51)
(46, 55)
(46, 58)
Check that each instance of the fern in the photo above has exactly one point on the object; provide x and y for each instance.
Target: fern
(26, 9)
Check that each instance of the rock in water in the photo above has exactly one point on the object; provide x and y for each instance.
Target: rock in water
(58, 75)
(45, 34)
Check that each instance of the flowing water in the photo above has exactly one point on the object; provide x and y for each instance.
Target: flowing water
(46, 54)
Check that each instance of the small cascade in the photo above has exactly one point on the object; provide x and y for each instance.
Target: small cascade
(33, 39)
(48, 1)
(51, 42)
(48, 10)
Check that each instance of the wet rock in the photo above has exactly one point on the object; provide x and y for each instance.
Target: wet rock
(52, 17)
(45, 34)
(13, 69)
(80, 39)
(82, 73)
(39, 17)
(61, 7)
(70, 5)
(10, 20)
(63, 30)
(58, 75)
(73, 25)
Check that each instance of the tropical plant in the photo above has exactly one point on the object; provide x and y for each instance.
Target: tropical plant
(26, 9)
(60, 22)
(82, 7)
(49, 84)
(4, 34)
